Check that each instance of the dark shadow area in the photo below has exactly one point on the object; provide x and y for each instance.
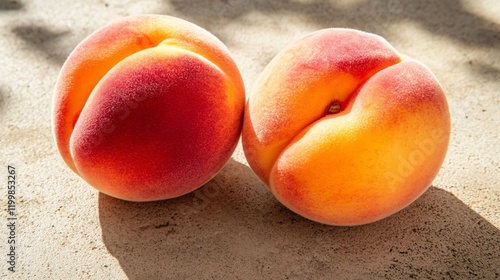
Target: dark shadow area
(233, 227)
(10, 5)
(484, 70)
(446, 18)
(43, 39)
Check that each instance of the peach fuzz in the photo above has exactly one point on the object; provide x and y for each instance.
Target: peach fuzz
(148, 108)
(343, 129)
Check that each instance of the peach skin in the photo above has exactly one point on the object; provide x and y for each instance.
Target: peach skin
(148, 108)
(343, 129)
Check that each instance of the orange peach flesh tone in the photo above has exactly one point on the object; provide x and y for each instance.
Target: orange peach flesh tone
(148, 108)
(379, 150)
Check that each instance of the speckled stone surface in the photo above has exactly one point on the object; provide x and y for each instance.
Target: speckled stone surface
(233, 228)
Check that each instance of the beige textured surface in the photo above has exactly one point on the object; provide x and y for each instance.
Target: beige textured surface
(232, 228)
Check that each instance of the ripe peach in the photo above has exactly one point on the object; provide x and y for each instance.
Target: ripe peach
(343, 129)
(148, 108)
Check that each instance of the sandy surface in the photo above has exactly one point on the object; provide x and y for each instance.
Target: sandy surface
(233, 228)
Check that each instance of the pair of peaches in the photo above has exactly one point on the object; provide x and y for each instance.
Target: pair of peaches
(342, 128)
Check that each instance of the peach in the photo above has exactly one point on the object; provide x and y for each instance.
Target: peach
(148, 108)
(343, 129)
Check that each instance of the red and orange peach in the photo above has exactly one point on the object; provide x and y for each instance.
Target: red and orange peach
(345, 130)
(148, 108)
